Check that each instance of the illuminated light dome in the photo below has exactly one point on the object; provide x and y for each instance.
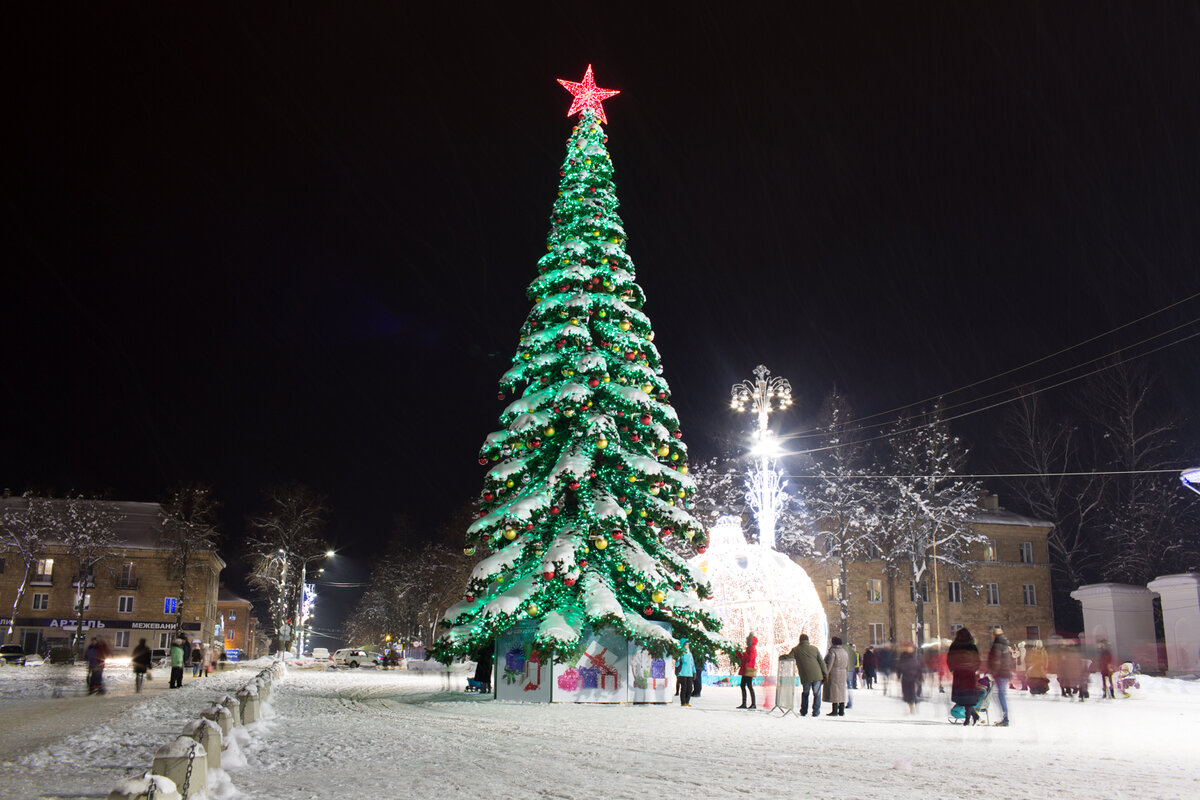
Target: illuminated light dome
(760, 590)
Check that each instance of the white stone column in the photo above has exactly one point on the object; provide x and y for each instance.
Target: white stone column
(1181, 620)
(1122, 614)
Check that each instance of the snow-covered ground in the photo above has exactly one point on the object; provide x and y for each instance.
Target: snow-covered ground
(385, 734)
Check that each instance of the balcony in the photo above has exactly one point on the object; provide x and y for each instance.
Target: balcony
(41, 579)
(127, 583)
(91, 582)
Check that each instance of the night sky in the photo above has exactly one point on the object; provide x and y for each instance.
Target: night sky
(248, 246)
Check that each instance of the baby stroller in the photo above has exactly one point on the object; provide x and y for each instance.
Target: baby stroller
(1038, 685)
(476, 686)
(958, 713)
(1125, 678)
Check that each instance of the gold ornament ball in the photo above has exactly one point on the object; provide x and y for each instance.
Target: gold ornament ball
(658, 597)
(664, 450)
(620, 567)
(532, 609)
(601, 443)
(549, 431)
(510, 534)
(639, 586)
(601, 543)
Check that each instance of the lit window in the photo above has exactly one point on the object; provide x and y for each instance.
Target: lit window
(44, 571)
(1026, 552)
(170, 605)
(875, 591)
(993, 594)
(832, 588)
(989, 550)
(955, 591)
(1030, 594)
(125, 604)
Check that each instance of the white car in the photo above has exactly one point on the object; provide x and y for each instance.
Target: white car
(354, 657)
(320, 654)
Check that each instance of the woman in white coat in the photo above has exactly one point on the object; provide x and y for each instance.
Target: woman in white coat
(838, 662)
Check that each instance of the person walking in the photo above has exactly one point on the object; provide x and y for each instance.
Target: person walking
(962, 659)
(1106, 665)
(870, 662)
(747, 659)
(97, 655)
(909, 670)
(140, 661)
(811, 670)
(687, 670)
(197, 659)
(1000, 664)
(177, 659)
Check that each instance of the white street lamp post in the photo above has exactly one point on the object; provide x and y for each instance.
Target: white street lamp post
(304, 603)
(764, 396)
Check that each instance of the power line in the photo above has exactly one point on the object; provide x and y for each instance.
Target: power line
(868, 476)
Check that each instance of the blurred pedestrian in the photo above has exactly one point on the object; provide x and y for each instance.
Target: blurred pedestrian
(811, 670)
(197, 659)
(1000, 664)
(748, 660)
(837, 661)
(910, 671)
(1072, 678)
(687, 670)
(97, 655)
(962, 659)
(1106, 665)
(870, 662)
(1035, 669)
(140, 661)
(177, 658)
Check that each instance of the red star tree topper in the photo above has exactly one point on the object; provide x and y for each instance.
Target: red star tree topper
(587, 96)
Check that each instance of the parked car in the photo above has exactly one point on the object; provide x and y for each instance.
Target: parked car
(354, 657)
(320, 654)
(13, 654)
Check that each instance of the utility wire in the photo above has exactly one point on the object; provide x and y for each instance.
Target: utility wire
(867, 476)
(1028, 393)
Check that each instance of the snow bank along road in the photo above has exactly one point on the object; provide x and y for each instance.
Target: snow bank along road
(374, 734)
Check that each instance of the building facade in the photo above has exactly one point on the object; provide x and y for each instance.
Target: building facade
(132, 594)
(1009, 587)
(237, 626)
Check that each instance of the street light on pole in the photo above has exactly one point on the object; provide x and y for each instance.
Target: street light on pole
(1191, 479)
(764, 396)
(304, 603)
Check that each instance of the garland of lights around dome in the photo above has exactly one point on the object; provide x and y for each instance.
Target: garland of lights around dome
(587, 479)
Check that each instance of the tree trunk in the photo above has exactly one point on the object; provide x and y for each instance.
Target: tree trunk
(891, 593)
(183, 565)
(12, 620)
(844, 600)
(80, 595)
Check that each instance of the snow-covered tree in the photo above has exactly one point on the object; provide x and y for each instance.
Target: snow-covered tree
(1148, 523)
(928, 508)
(28, 524)
(1050, 450)
(284, 538)
(88, 533)
(190, 527)
(841, 503)
(588, 473)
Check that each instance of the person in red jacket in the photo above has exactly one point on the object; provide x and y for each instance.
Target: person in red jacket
(748, 658)
(1106, 665)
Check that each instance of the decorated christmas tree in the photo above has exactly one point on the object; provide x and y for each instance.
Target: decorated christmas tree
(587, 480)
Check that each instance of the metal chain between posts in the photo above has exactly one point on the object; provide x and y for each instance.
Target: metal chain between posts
(153, 788)
(187, 776)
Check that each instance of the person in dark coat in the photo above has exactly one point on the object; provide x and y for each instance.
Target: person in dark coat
(837, 661)
(483, 668)
(97, 655)
(870, 662)
(811, 670)
(748, 659)
(140, 661)
(962, 660)
(909, 670)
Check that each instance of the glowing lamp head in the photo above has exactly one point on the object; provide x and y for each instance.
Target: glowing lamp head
(1191, 479)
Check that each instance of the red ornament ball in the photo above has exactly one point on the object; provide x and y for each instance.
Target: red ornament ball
(701, 549)
(548, 574)
(482, 462)
(553, 509)
(618, 536)
(469, 598)
(645, 419)
(569, 581)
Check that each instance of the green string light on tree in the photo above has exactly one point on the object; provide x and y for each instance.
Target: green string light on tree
(587, 477)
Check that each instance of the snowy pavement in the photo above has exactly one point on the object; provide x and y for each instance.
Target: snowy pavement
(383, 734)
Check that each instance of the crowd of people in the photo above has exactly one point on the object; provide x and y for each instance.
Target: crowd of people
(975, 675)
(181, 655)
